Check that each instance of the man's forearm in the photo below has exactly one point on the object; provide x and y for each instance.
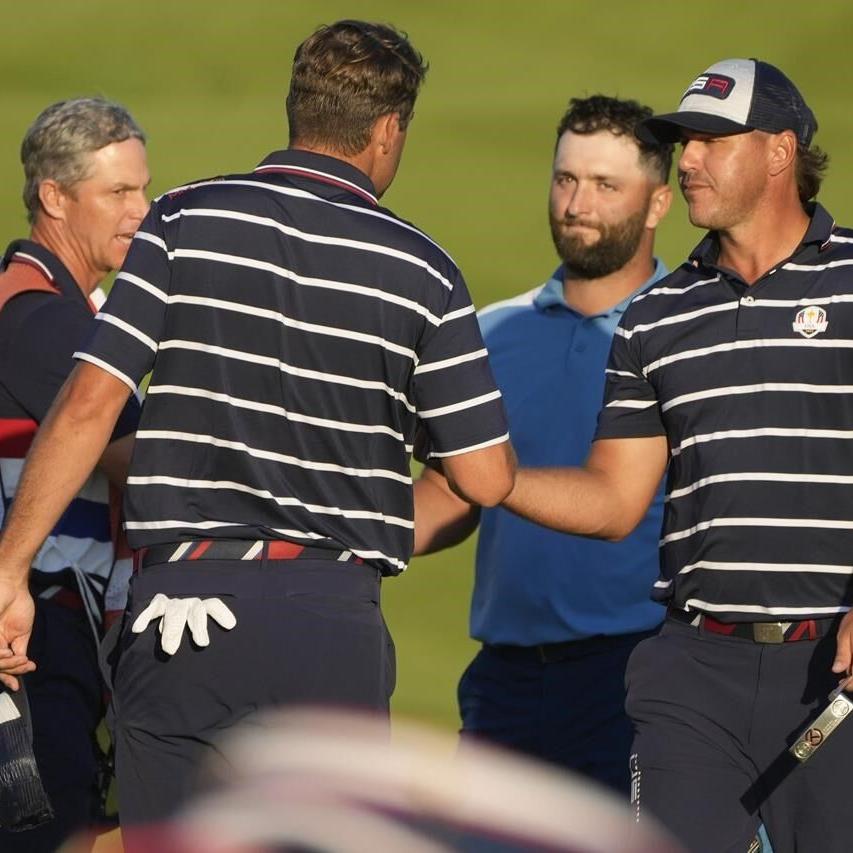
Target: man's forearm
(571, 500)
(442, 519)
(606, 499)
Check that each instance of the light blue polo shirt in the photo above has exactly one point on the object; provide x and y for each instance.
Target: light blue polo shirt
(535, 585)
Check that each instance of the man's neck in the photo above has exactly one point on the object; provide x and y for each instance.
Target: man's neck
(769, 237)
(57, 243)
(591, 296)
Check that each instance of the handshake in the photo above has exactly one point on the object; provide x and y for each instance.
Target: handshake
(176, 614)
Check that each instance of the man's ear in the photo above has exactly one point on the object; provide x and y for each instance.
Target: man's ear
(53, 198)
(783, 152)
(386, 129)
(659, 203)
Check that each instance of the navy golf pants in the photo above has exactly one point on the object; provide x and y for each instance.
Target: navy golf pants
(569, 712)
(308, 631)
(714, 717)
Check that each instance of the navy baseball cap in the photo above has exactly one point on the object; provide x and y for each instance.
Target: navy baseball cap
(735, 96)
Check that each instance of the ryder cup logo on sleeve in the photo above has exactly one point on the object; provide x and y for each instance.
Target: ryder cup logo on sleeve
(810, 321)
(715, 85)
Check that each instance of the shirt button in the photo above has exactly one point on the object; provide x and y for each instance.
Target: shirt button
(748, 300)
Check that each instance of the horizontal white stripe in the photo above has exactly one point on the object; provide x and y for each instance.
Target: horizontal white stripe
(757, 388)
(289, 369)
(699, 604)
(631, 404)
(378, 214)
(151, 238)
(803, 301)
(471, 448)
(451, 362)
(130, 330)
(837, 238)
(309, 281)
(256, 406)
(626, 373)
(461, 406)
(230, 485)
(780, 523)
(173, 523)
(662, 584)
(308, 237)
(764, 432)
(674, 291)
(283, 458)
(717, 566)
(731, 346)
(143, 284)
(113, 371)
(675, 319)
(288, 322)
(844, 262)
(459, 312)
(760, 477)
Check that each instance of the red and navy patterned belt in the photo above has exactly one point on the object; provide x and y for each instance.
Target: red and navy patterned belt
(236, 549)
(760, 632)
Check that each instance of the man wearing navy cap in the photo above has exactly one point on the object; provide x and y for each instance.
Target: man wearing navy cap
(736, 371)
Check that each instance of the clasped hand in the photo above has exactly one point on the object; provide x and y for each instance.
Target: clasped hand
(175, 614)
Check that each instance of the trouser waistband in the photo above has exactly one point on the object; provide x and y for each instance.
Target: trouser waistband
(556, 652)
(236, 549)
(759, 632)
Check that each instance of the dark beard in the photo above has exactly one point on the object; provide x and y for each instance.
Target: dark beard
(616, 246)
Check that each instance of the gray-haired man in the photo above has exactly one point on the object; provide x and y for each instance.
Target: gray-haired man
(85, 179)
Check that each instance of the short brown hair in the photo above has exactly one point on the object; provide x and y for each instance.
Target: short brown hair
(58, 143)
(345, 76)
(621, 118)
(810, 167)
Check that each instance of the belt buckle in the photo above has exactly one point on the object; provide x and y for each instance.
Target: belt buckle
(769, 632)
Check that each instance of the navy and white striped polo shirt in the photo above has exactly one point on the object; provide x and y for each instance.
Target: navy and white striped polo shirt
(753, 387)
(297, 333)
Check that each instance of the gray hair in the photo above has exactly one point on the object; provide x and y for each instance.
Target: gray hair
(58, 143)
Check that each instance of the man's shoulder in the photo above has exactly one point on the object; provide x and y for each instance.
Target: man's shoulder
(497, 314)
(670, 294)
(841, 240)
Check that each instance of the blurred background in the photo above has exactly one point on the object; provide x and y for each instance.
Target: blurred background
(207, 82)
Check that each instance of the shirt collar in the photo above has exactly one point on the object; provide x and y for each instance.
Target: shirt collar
(551, 293)
(38, 257)
(320, 169)
(821, 226)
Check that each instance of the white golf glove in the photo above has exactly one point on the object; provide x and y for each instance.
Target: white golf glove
(179, 613)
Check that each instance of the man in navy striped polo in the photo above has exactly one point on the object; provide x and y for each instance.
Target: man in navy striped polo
(298, 333)
(737, 371)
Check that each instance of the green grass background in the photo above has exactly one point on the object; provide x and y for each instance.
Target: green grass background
(207, 80)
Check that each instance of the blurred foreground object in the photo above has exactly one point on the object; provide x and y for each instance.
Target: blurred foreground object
(23, 801)
(330, 781)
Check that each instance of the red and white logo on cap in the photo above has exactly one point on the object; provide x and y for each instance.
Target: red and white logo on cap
(715, 85)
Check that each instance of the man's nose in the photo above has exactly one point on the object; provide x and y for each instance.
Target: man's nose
(580, 200)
